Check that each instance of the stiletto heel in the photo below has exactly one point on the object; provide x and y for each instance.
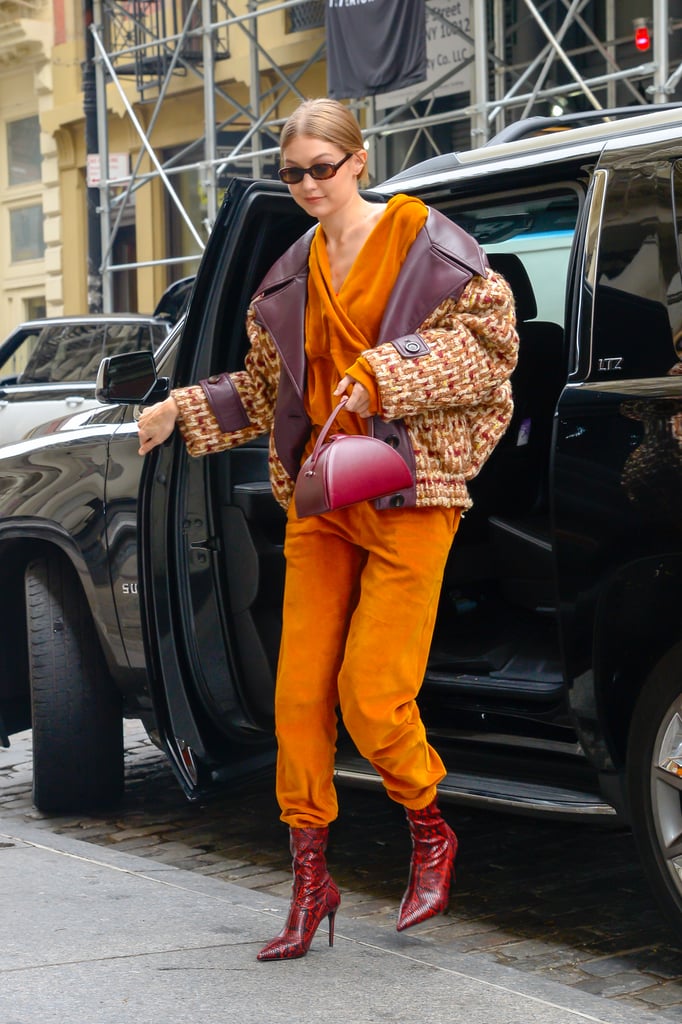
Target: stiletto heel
(432, 868)
(315, 896)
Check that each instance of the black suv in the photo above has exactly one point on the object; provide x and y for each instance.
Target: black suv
(153, 588)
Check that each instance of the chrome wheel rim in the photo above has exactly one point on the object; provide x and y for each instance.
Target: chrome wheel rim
(666, 791)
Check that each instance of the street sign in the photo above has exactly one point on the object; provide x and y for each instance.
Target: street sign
(119, 167)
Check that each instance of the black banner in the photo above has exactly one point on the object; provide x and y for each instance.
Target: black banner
(374, 46)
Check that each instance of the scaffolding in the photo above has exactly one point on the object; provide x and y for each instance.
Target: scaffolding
(539, 58)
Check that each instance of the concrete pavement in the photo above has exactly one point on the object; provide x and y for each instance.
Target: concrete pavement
(96, 936)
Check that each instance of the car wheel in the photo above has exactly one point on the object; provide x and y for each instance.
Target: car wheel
(75, 709)
(654, 769)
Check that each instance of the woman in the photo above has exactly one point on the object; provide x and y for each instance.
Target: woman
(394, 307)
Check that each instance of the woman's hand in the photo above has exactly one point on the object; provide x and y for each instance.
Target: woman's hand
(359, 399)
(156, 424)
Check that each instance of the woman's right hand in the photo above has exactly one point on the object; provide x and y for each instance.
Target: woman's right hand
(156, 424)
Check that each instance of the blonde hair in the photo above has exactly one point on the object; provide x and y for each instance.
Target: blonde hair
(327, 120)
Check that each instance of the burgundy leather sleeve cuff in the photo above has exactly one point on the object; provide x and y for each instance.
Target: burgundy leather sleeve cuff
(225, 403)
(410, 346)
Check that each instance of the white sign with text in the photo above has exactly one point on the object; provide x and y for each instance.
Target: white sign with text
(119, 167)
(446, 49)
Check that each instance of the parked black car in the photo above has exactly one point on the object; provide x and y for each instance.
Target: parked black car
(48, 367)
(153, 588)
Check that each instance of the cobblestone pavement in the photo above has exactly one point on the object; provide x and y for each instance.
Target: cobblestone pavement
(565, 901)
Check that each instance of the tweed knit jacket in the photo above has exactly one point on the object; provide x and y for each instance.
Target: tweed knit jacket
(442, 363)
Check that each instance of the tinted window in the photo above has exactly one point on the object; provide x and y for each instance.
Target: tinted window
(675, 290)
(538, 229)
(73, 352)
(132, 337)
(16, 351)
(62, 353)
(637, 303)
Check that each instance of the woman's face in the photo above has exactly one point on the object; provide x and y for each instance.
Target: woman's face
(322, 198)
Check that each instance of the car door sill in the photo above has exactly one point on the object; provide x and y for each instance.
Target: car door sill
(512, 795)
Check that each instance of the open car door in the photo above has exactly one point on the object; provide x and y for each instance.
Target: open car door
(211, 533)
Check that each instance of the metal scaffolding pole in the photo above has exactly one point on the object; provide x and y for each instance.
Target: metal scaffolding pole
(553, 49)
(561, 53)
(661, 51)
(103, 147)
(498, 52)
(571, 63)
(479, 124)
(254, 91)
(210, 142)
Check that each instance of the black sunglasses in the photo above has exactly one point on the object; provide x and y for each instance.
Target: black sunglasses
(320, 172)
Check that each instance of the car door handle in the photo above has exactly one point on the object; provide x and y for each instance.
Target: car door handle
(3, 403)
(73, 401)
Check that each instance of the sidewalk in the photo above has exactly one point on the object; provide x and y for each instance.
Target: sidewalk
(95, 936)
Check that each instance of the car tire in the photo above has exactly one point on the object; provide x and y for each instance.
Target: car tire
(654, 777)
(76, 711)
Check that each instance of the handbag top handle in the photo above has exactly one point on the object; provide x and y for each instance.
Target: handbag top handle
(325, 430)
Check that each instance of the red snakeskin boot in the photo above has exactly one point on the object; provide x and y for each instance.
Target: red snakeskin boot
(314, 896)
(434, 846)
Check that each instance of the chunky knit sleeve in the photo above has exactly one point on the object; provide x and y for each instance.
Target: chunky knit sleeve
(253, 390)
(469, 353)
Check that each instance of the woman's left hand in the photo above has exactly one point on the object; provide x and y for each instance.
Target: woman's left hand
(358, 400)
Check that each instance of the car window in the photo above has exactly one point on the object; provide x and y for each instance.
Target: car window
(675, 287)
(168, 352)
(64, 353)
(73, 352)
(637, 302)
(133, 337)
(42, 364)
(538, 229)
(20, 350)
(158, 335)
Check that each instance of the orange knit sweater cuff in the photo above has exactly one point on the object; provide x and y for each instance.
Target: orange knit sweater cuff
(362, 372)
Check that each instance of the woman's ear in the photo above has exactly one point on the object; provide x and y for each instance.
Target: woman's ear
(361, 165)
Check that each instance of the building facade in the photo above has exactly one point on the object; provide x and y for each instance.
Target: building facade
(123, 169)
(29, 214)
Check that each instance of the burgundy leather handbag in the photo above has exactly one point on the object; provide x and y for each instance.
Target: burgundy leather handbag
(346, 469)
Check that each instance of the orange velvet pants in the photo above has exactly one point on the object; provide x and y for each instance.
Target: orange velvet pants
(360, 602)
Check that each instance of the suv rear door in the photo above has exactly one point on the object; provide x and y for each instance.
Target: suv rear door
(617, 464)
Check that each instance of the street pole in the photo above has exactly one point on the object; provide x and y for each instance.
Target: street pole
(209, 114)
(92, 148)
(254, 92)
(479, 122)
(661, 25)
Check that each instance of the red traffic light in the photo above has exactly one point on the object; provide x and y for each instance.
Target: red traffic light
(642, 37)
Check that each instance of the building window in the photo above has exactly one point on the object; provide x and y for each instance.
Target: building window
(26, 233)
(23, 151)
(307, 15)
(34, 307)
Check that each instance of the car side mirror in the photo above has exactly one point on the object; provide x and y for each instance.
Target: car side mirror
(130, 379)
